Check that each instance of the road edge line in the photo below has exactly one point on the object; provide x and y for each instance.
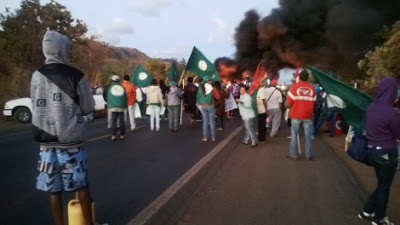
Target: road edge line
(147, 213)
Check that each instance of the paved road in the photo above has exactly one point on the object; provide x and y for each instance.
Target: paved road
(125, 176)
(262, 187)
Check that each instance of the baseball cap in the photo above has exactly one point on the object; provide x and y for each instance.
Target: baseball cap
(115, 78)
(274, 82)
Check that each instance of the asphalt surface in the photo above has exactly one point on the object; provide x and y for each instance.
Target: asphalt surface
(125, 175)
(245, 187)
(262, 187)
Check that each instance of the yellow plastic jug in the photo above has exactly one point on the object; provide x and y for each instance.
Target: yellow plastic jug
(75, 215)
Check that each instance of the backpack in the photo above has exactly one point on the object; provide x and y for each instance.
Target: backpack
(358, 149)
(235, 91)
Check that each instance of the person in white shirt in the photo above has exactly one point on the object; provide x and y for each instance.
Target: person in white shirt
(331, 116)
(274, 100)
(262, 111)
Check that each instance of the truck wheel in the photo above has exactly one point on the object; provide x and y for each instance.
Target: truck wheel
(23, 115)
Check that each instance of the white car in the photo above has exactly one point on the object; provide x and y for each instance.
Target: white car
(21, 108)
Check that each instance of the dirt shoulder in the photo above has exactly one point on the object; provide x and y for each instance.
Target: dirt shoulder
(365, 174)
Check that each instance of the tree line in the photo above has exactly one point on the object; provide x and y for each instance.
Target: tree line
(21, 34)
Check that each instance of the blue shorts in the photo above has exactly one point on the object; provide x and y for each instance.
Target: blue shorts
(62, 169)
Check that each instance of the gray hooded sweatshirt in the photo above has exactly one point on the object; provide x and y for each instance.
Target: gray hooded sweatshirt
(60, 95)
(174, 96)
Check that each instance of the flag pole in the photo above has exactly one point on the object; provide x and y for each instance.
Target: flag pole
(194, 79)
(181, 116)
(180, 79)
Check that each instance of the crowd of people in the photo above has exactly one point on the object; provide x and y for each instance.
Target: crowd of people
(207, 98)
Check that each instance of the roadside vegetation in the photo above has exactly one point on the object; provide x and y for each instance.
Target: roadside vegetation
(21, 33)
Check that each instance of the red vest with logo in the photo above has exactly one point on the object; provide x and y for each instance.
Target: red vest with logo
(302, 97)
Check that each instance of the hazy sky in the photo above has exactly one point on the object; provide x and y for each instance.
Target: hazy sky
(164, 28)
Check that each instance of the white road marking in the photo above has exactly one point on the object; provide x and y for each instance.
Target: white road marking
(153, 207)
(16, 134)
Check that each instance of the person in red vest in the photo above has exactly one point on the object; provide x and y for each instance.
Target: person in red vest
(300, 99)
(131, 93)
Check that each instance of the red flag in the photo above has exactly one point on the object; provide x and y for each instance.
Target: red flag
(255, 79)
(296, 78)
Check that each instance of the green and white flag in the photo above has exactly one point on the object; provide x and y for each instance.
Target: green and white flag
(141, 78)
(174, 73)
(351, 103)
(201, 66)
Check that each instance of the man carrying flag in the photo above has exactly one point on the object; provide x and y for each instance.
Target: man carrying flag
(300, 100)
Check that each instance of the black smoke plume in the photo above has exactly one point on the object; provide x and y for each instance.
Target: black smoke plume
(330, 34)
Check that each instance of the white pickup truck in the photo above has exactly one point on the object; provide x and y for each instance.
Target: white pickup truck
(21, 108)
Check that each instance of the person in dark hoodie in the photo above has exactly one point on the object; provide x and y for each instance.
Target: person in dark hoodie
(61, 96)
(382, 125)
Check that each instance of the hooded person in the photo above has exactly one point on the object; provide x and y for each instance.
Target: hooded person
(382, 126)
(396, 105)
(174, 96)
(154, 103)
(61, 96)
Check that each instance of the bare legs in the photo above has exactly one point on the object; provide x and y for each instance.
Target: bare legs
(85, 202)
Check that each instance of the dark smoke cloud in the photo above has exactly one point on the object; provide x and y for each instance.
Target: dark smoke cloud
(331, 34)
